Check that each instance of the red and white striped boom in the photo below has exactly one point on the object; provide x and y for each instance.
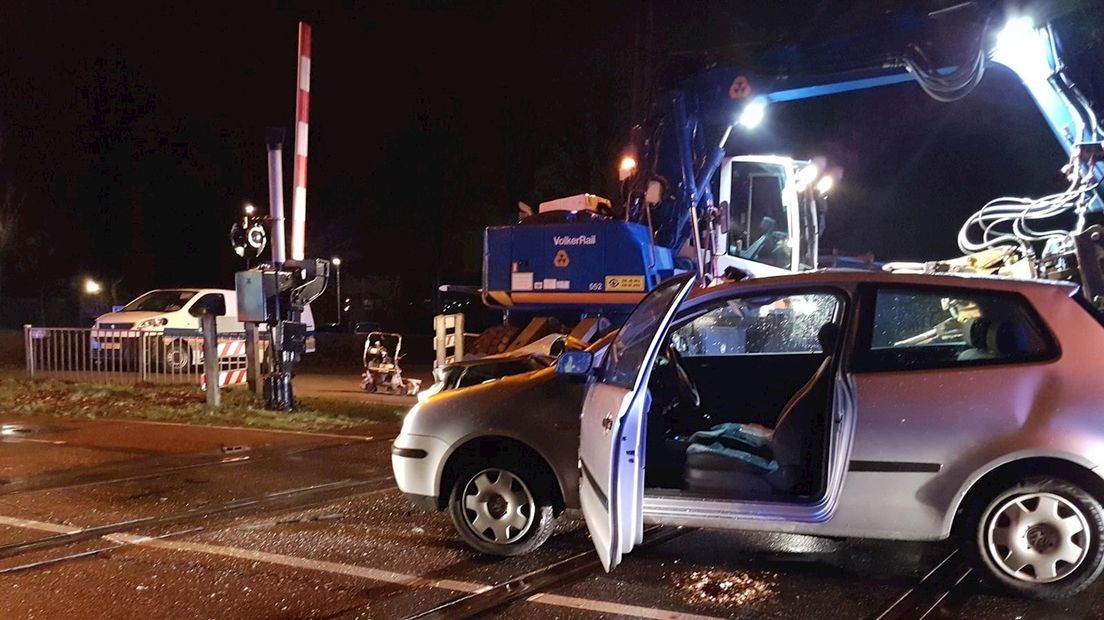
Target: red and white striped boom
(299, 172)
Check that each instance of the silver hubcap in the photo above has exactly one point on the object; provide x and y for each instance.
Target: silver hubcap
(1038, 537)
(498, 506)
(177, 357)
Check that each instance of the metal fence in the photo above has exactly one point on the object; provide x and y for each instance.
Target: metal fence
(130, 356)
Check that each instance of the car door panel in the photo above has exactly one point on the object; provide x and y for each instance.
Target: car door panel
(612, 426)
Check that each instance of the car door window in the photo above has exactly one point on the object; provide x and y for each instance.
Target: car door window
(759, 325)
(627, 353)
(923, 328)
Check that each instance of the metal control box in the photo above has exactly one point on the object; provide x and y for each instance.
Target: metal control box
(256, 292)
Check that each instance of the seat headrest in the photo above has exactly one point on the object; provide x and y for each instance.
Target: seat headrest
(828, 335)
(1009, 338)
(977, 333)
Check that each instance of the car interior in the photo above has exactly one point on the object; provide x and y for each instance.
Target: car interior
(741, 400)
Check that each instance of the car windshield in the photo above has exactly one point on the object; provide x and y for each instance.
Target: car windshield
(160, 301)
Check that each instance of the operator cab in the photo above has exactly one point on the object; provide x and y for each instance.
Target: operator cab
(769, 215)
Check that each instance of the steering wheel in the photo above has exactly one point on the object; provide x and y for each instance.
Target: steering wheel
(686, 387)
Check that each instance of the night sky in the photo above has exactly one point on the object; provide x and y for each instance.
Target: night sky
(134, 133)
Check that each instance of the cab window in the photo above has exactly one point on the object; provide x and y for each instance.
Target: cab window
(922, 328)
(758, 222)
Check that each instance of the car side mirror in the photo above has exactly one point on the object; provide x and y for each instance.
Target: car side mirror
(575, 364)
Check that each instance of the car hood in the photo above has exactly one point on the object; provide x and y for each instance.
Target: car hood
(127, 317)
(488, 405)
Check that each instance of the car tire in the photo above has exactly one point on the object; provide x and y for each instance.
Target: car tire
(484, 496)
(178, 357)
(1042, 538)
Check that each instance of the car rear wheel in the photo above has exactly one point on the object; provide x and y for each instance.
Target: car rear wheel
(500, 511)
(1042, 538)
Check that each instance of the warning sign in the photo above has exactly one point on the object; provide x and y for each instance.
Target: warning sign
(740, 89)
(624, 283)
(562, 259)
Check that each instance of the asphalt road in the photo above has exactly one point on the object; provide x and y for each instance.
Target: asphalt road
(110, 519)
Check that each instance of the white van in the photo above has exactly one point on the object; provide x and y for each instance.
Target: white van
(167, 311)
(160, 311)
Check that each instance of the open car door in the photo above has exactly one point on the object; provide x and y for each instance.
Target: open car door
(611, 444)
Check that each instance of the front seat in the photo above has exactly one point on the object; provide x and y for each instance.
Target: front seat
(757, 459)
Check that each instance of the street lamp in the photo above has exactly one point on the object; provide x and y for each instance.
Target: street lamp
(92, 287)
(249, 208)
(337, 265)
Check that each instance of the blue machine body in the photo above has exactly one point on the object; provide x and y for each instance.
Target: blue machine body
(596, 266)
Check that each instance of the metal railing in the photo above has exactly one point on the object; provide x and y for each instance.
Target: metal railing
(129, 356)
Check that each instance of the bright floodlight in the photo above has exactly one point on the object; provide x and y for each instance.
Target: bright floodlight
(336, 261)
(626, 168)
(753, 113)
(249, 208)
(92, 287)
(1023, 48)
(824, 185)
(806, 176)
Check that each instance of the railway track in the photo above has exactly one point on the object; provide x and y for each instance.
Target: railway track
(293, 498)
(147, 469)
(928, 595)
(552, 576)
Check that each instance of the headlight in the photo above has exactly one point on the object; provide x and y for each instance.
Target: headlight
(151, 323)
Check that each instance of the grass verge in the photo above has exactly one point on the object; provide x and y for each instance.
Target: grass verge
(185, 404)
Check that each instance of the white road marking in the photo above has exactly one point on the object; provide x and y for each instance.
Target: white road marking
(364, 572)
(28, 524)
(606, 607)
(52, 442)
(306, 563)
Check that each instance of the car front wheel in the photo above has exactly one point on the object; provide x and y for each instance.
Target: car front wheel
(1042, 538)
(500, 511)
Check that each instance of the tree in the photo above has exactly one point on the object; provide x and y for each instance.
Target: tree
(11, 200)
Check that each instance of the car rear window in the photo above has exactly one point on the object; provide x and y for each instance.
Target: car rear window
(938, 328)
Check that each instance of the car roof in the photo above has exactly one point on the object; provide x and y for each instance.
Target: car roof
(191, 288)
(828, 277)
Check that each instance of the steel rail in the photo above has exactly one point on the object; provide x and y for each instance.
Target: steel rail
(924, 597)
(557, 574)
(92, 552)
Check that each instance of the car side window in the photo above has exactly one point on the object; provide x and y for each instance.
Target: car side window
(759, 325)
(919, 328)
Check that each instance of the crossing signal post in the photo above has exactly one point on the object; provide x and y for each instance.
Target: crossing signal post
(276, 298)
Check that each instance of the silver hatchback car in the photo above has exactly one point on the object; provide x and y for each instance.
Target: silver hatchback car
(844, 404)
